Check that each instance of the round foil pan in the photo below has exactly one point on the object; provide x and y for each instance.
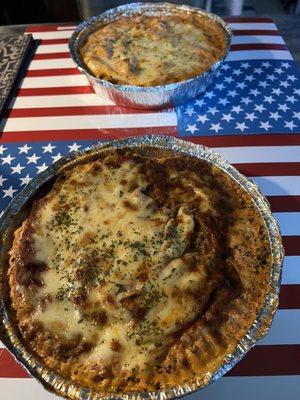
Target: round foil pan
(17, 212)
(152, 97)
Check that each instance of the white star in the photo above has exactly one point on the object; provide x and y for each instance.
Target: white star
(7, 160)
(48, 148)
(26, 180)
(279, 71)
(241, 126)
(297, 91)
(271, 77)
(227, 117)
(265, 125)
(246, 100)
(268, 99)
(275, 116)
(283, 107)
(284, 84)
(9, 192)
(237, 72)
(202, 118)
(215, 127)
(258, 71)
(290, 125)
(74, 147)
(219, 73)
(285, 65)
(41, 168)
(296, 115)
(212, 110)
(2, 149)
(277, 91)
(245, 65)
(191, 128)
(225, 67)
(232, 93)
(228, 79)
(209, 95)
(266, 64)
(291, 99)
(263, 84)
(249, 78)
(291, 78)
(200, 102)
(255, 92)
(189, 111)
(250, 116)
(32, 159)
(17, 169)
(24, 149)
(223, 102)
(241, 85)
(259, 107)
(220, 86)
(2, 180)
(236, 109)
(57, 157)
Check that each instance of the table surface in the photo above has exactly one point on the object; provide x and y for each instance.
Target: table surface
(288, 26)
(56, 106)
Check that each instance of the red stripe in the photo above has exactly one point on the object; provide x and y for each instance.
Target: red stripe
(292, 246)
(284, 203)
(269, 360)
(269, 169)
(247, 19)
(51, 72)
(252, 32)
(245, 141)
(289, 297)
(54, 41)
(67, 111)
(55, 90)
(84, 134)
(48, 28)
(257, 46)
(9, 368)
(259, 361)
(49, 56)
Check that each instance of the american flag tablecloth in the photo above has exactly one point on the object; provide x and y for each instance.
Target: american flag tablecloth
(56, 111)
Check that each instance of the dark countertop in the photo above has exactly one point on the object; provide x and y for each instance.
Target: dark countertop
(288, 25)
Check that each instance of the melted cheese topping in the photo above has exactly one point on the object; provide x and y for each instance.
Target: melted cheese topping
(117, 267)
(147, 51)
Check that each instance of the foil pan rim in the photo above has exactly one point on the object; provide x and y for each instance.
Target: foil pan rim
(136, 8)
(63, 387)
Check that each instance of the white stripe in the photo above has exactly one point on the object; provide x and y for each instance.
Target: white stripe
(260, 154)
(52, 48)
(291, 270)
(71, 100)
(259, 55)
(54, 81)
(268, 26)
(285, 329)
(289, 222)
(51, 64)
(249, 39)
(2, 345)
(51, 35)
(25, 389)
(88, 121)
(66, 28)
(279, 185)
(250, 388)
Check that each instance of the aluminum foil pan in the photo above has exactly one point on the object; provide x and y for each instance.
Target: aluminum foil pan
(154, 96)
(17, 212)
